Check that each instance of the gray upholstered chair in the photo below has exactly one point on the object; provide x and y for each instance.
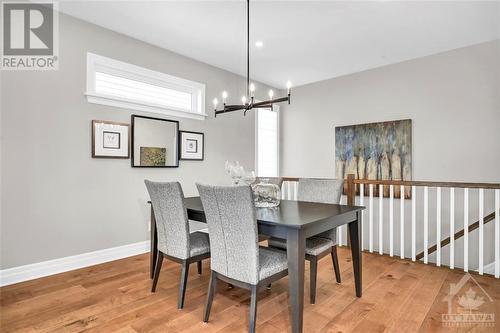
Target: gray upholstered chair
(175, 242)
(324, 191)
(236, 256)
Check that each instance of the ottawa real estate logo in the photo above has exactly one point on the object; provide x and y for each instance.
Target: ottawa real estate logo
(30, 36)
(469, 305)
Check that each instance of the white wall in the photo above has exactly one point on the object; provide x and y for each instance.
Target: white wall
(56, 200)
(453, 100)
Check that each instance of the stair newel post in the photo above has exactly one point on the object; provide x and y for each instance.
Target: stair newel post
(351, 195)
(351, 189)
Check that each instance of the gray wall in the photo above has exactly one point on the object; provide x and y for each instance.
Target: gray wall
(56, 200)
(453, 100)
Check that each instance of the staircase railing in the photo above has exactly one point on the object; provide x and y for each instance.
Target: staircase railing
(417, 227)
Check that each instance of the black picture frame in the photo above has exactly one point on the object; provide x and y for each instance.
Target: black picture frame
(202, 146)
(176, 145)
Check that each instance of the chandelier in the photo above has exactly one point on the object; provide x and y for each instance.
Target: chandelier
(248, 102)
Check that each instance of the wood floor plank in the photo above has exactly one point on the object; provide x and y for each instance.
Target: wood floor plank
(373, 295)
(415, 308)
(398, 296)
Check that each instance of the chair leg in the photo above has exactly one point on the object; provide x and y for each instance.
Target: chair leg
(313, 270)
(253, 309)
(199, 267)
(335, 260)
(210, 296)
(182, 286)
(156, 275)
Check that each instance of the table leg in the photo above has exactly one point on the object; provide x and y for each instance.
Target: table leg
(355, 236)
(296, 255)
(154, 244)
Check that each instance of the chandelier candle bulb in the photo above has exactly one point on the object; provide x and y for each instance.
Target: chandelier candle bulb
(215, 102)
(224, 96)
(244, 100)
(252, 89)
(271, 94)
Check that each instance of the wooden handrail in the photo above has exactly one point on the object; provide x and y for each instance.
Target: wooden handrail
(458, 234)
(428, 183)
(411, 183)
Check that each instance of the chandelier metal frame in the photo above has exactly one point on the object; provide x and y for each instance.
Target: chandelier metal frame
(250, 103)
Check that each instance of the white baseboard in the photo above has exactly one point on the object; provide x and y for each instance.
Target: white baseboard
(489, 269)
(50, 267)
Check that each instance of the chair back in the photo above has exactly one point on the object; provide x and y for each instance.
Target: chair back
(171, 218)
(320, 190)
(232, 229)
(324, 191)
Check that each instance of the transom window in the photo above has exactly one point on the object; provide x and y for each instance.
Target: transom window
(116, 83)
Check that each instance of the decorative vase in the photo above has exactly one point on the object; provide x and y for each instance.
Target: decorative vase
(266, 194)
(236, 171)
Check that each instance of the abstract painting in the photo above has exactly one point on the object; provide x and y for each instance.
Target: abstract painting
(153, 156)
(379, 151)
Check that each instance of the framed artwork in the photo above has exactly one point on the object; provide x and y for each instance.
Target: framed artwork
(110, 139)
(379, 151)
(155, 142)
(192, 145)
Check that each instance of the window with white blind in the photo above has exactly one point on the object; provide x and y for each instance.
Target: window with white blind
(267, 145)
(116, 83)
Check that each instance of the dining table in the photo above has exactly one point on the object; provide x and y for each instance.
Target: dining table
(294, 221)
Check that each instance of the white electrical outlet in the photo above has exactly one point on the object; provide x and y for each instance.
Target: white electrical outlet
(149, 225)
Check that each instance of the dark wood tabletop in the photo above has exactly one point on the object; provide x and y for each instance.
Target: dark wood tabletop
(290, 213)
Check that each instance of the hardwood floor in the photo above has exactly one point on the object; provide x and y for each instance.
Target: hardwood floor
(399, 296)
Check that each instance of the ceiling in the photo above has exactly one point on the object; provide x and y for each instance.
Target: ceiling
(304, 41)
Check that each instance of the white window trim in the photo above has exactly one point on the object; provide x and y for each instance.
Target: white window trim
(277, 108)
(111, 66)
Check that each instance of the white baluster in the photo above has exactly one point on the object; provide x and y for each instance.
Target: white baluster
(413, 223)
(497, 233)
(402, 222)
(295, 190)
(481, 230)
(466, 229)
(438, 226)
(426, 224)
(391, 220)
(452, 228)
(370, 234)
(380, 219)
(361, 203)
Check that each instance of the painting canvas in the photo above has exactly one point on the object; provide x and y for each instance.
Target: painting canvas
(153, 156)
(380, 151)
